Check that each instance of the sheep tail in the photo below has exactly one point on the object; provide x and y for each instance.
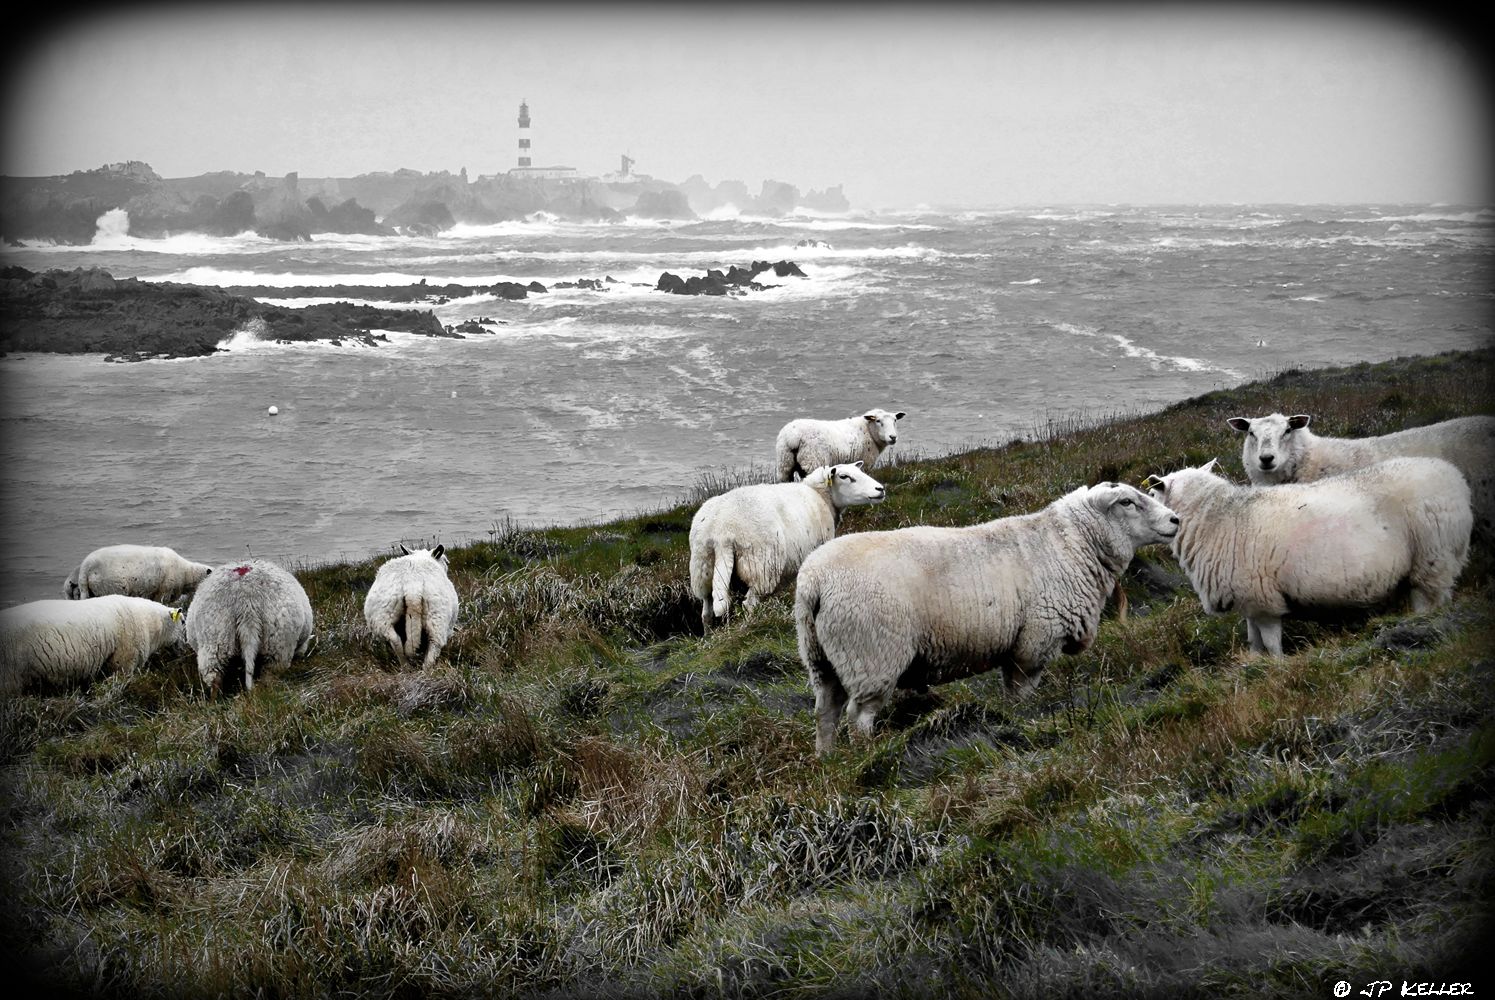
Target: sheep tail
(721, 579)
(249, 650)
(806, 607)
(414, 623)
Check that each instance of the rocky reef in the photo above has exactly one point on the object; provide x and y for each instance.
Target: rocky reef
(88, 311)
(734, 281)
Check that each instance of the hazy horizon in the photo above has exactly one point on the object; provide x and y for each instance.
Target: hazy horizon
(939, 105)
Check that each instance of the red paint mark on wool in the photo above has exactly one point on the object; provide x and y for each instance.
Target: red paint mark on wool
(241, 570)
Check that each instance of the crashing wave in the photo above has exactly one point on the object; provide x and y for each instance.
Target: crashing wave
(251, 333)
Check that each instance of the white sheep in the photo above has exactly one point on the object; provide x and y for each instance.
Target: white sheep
(806, 444)
(1279, 449)
(152, 571)
(760, 534)
(881, 610)
(248, 610)
(412, 592)
(1341, 542)
(69, 641)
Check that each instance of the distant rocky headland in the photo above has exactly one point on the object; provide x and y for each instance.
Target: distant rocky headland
(66, 209)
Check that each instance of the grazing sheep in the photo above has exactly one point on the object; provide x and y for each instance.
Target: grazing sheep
(152, 571)
(1279, 449)
(248, 610)
(762, 533)
(1344, 541)
(881, 610)
(806, 444)
(69, 641)
(412, 592)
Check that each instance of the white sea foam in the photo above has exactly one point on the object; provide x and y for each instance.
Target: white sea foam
(205, 275)
(1132, 349)
(546, 223)
(645, 266)
(1483, 215)
(301, 303)
(113, 235)
(247, 336)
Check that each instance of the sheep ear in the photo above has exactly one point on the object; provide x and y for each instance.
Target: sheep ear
(1152, 482)
(899, 415)
(403, 550)
(1239, 423)
(857, 464)
(437, 551)
(870, 417)
(176, 614)
(1210, 465)
(1298, 421)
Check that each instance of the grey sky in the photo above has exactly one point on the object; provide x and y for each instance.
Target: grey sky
(935, 104)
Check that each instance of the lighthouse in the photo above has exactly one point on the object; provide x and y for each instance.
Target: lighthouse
(526, 169)
(524, 157)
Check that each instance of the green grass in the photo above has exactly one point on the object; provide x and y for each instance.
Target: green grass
(588, 797)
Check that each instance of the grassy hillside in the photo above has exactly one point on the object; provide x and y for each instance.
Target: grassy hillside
(588, 798)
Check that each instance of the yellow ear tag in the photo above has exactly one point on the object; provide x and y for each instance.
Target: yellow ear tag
(176, 614)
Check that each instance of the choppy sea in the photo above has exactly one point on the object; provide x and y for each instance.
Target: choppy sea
(583, 405)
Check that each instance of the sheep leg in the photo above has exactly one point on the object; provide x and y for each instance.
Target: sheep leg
(126, 662)
(393, 638)
(433, 650)
(788, 464)
(830, 703)
(1253, 636)
(1425, 597)
(707, 618)
(1020, 678)
(211, 673)
(867, 708)
(1268, 634)
(750, 602)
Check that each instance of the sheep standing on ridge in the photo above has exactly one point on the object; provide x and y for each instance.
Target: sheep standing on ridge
(881, 610)
(69, 641)
(806, 444)
(248, 610)
(1279, 449)
(412, 592)
(760, 534)
(1344, 541)
(152, 571)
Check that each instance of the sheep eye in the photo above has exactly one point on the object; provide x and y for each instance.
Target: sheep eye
(1126, 502)
(1251, 434)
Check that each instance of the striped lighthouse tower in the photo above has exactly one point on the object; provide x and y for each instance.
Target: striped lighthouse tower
(524, 156)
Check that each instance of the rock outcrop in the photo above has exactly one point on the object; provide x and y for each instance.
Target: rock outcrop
(736, 281)
(88, 311)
